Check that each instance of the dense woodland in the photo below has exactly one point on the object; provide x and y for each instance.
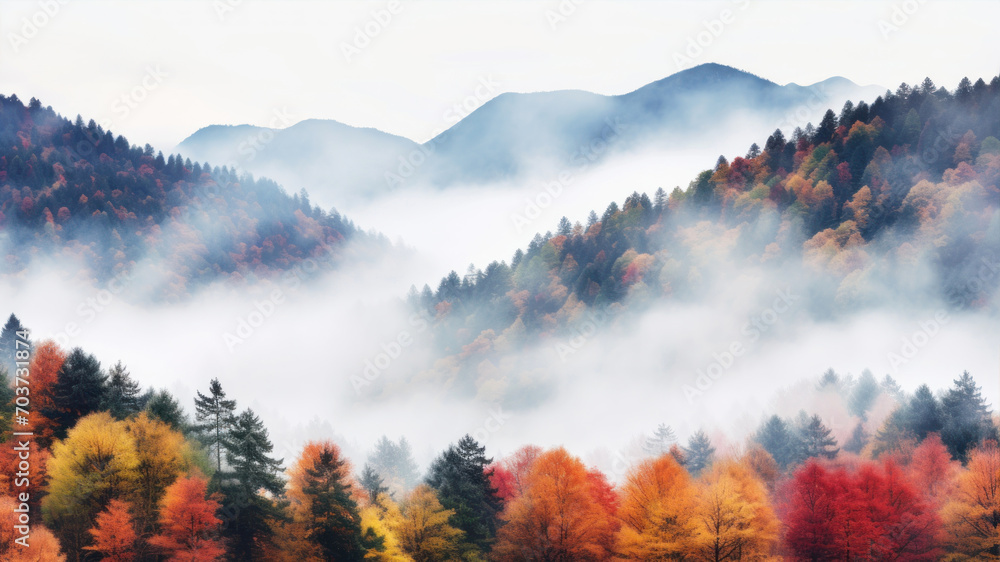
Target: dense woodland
(871, 196)
(120, 473)
(890, 204)
(78, 191)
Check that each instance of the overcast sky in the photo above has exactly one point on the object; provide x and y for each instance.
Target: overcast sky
(247, 61)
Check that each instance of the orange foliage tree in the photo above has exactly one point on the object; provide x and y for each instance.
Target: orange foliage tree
(188, 522)
(657, 511)
(114, 533)
(558, 516)
(44, 370)
(42, 544)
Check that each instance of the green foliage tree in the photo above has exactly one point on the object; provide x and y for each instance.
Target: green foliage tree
(699, 453)
(778, 440)
(372, 483)
(335, 523)
(251, 470)
(123, 395)
(78, 391)
(215, 416)
(816, 439)
(967, 417)
(162, 405)
(461, 478)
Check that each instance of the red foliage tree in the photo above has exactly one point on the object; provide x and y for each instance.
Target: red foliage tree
(874, 513)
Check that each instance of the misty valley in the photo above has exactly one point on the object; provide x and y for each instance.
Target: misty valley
(714, 318)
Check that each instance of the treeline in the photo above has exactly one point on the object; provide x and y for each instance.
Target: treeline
(78, 190)
(865, 203)
(121, 474)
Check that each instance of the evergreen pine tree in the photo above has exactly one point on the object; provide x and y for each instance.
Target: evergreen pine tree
(251, 470)
(661, 440)
(123, 395)
(816, 439)
(372, 483)
(864, 394)
(776, 438)
(335, 524)
(923, 414)
(699, 453)
(215, 416)
(6, 402)
(8, 342)
(967, 417)
(78, 391)
(162, 405)
(461, 479)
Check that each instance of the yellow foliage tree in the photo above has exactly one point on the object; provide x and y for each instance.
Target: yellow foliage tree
(96, 463)
(162, 456)
(657, 512)
(971, 517)
(424, 531)
(381, 519)
(735, 521)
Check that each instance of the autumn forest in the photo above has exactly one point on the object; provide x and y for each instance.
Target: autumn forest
(889, 204)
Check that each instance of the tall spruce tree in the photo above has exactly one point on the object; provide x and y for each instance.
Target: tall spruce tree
(967, 417)
(661, 440)
(123, 395)
(215, 416)
(251, 470)
(462, 481)
(78, 391)
(699, 453)
(6, 402)
(777, 439)
(816, 439)
(335, 524)
(8, 342)
(161, 405)
(372, 483)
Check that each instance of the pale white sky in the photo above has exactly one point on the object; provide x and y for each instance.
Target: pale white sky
(240, 61)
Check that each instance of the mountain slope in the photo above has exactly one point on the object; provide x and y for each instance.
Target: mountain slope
(892, 205)
(80, 193)
(515, 133)
(343, 163)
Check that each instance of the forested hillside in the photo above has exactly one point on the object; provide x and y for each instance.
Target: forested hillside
(889, 204)
(77, 191)
(116, 472)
